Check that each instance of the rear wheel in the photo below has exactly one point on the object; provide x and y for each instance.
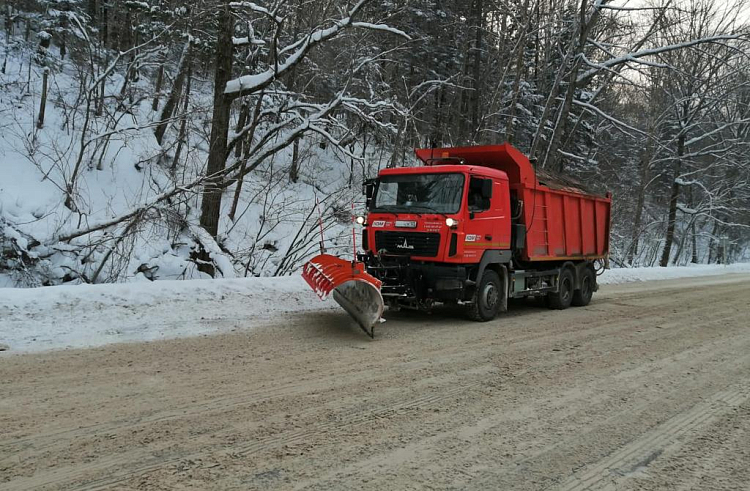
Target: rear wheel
(487, 300)
(562, 298)
(582, 296)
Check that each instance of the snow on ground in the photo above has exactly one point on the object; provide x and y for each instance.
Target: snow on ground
(629, 275)
(39, 319)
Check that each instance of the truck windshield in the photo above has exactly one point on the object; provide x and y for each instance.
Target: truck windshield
(420, 193)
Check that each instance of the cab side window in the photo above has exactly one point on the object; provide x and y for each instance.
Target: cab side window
(480, 192)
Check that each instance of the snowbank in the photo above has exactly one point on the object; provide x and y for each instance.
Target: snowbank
(629, 275)
(78, 316)
(38, 319)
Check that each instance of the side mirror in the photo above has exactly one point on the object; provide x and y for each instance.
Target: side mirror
(487, 189)
(368, 189)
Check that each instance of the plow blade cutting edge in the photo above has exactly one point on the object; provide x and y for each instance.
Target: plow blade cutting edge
(355, 290)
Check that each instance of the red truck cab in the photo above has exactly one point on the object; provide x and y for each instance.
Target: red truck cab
(447, 213)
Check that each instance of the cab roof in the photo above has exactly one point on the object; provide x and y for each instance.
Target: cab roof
(477, 170)
(505, 158)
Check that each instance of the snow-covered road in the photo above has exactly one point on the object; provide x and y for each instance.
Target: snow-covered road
(94, 315)
(647, 388)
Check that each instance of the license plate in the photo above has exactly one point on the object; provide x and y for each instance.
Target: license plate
(406, 223)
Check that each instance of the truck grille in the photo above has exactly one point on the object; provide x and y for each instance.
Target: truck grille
(411, 243)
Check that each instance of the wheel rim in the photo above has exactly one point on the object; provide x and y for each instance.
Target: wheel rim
(586, 286)
(490, 296)
(565, 287)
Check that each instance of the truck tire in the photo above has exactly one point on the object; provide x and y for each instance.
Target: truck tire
(582, 296)
(562, 298)
(486, 302)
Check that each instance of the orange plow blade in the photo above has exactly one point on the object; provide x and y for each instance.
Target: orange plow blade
(355, 290)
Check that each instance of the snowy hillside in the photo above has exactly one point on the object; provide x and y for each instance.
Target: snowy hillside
(122, 169)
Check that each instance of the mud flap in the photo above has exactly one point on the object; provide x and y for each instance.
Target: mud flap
(356, 291)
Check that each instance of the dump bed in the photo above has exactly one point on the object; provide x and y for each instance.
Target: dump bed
(561, 219)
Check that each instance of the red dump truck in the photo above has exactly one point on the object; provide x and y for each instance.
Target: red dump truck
(474, 226)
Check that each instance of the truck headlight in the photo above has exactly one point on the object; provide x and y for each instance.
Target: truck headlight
(360, 220)
(451, 222)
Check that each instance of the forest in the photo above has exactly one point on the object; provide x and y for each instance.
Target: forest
(159, 139)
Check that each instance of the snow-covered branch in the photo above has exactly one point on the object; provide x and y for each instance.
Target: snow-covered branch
(248, 84)
(382, 27)
(254, 7)
(585, 76)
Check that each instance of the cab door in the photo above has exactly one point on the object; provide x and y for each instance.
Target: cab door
(487, 217)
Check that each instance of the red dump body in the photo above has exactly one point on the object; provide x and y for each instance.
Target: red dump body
(563, 222)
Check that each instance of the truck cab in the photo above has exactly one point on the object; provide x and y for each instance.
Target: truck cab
(449, 214)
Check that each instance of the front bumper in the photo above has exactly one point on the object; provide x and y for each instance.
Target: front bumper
(406, 279)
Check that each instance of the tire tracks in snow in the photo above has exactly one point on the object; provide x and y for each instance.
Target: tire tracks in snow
(640, 452)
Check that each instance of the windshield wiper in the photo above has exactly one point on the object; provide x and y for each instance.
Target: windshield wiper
(383, 210)
(396, 209)
(429, 208)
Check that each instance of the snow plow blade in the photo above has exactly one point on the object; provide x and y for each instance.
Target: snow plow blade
(356, 291)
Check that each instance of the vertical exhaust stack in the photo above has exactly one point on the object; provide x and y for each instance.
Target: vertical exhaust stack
(353, 289)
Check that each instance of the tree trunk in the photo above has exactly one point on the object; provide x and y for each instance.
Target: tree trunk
(99, 103)
(694, 256)
(674, 196)
(552, 157)
(553, 92)
(477, 67)
(174, 95)
(713, 244)
(211, 202)
(509, 134)
(157, 89)
(294, 169)
(43, 104)
(61, 40)
(105, 24)
(638, 212)
(537, 43)
(398, 145)
(182, 137)
(8, 21)
(241, 122)
(464, 95)
(246, 155)
(680, 245)
(92, 9)
(436, 135)
(638, 215)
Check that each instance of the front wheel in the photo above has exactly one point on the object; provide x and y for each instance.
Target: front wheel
(487, 298)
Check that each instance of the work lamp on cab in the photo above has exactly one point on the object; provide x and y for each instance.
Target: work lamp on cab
(451, 222)
(360, 220)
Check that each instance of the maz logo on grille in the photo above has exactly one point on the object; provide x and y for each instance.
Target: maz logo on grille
(405, 245)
